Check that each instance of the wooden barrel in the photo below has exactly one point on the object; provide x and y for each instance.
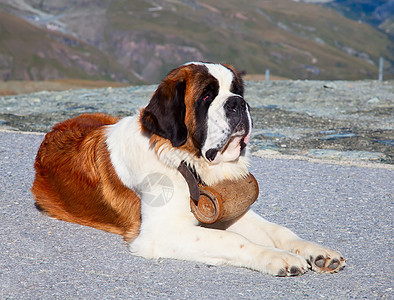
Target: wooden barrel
(225, 201)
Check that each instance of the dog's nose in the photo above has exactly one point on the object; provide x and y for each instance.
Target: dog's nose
(235, 104)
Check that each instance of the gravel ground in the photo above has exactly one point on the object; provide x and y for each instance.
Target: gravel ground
(340, 120)
(348, 208)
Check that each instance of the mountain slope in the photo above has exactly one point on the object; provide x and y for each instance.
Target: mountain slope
(293, 39)
(378, 13)
(31, 53)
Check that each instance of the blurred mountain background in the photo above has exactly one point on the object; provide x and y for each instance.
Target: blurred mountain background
(139, 41)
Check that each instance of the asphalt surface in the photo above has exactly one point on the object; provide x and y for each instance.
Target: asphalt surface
(346, 207)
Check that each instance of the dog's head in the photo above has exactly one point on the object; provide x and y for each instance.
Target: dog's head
(200, 107)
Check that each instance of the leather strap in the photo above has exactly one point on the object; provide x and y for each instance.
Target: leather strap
(191, 181)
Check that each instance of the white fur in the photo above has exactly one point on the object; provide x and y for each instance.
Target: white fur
(172, 231)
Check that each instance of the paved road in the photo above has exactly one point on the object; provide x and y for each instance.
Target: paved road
(349, 208)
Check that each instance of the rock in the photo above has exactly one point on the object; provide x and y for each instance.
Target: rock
(330, 85)
(373, 100)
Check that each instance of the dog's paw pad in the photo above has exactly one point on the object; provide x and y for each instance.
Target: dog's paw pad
(326, 264)
(292, 271)
(320, 258)
(282, 273)
(320, 261)
(295, 271)
(334, 264)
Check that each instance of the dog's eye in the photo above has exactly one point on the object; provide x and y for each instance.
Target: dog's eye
(206, 94)
(209, 93)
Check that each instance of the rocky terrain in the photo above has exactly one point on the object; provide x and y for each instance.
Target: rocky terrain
(335, 120)
(15, 87)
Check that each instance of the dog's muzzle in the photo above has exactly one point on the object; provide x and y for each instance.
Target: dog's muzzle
(239, 121)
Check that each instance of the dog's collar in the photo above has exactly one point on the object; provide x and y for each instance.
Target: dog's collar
(191, 180)
(206, 203)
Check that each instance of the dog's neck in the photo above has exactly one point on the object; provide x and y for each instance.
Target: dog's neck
(204, 172)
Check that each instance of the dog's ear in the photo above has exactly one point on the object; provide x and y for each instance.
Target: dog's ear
(165, 113)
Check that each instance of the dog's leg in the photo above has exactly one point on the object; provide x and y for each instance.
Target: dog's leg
(216, 247)
(262, 232)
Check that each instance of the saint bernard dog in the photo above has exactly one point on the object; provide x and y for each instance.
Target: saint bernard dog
(94, 170)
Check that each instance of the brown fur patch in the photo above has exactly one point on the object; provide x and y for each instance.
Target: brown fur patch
(76, 182)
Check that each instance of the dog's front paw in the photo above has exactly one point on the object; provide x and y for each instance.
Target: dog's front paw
(319, 258)
(282, 263)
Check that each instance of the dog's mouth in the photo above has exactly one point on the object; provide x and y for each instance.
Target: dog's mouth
(237, 142)
(244, 141)
(231, 150)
